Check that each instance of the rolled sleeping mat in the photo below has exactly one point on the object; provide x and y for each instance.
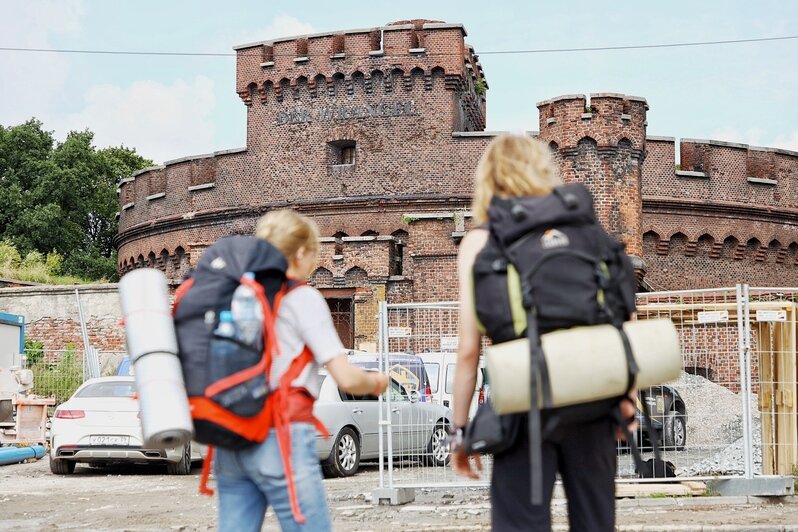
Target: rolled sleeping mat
(152, 346)
(584, 364)
(147, 313)
(165, 415)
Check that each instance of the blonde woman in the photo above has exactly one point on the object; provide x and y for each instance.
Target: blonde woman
(583, 453)
(269, 474)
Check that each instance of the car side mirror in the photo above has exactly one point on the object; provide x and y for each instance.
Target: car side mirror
(414, 396)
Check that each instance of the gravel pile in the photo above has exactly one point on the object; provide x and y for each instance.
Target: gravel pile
(714, 423)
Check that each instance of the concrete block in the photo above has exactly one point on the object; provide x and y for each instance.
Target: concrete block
(393, 496)
(764, 486)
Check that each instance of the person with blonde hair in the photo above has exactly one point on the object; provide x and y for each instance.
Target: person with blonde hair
(252, 479)
(515, 166)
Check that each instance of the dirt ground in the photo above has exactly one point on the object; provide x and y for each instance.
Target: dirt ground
(145, 498)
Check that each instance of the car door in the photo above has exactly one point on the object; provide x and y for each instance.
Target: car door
(401, 419)
(365, 413)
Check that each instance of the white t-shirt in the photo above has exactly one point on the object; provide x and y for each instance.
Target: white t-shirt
(303, 319)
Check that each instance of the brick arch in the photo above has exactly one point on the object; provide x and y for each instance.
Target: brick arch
(401, 234)
(587, 141)
(678, 243)
(705, 245)
(339, 234)
(651, 241)
(319, 82)
(151, 259)
(356, 276)
(321, 277)
(163, 259)
(792, 253)
(625, 143)
(753, 249)
(774, 253)
(369, 232)
(731, 247)
(283, 86)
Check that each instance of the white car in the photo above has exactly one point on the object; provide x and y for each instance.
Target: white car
(100, 425)
(440, 369)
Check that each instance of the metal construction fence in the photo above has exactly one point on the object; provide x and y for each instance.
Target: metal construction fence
(57, 373)
(732, 413)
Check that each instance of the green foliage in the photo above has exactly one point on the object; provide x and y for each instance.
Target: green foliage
(480, 87)
(35, 267)
(59, 380)
(61, 198)
(34, 351)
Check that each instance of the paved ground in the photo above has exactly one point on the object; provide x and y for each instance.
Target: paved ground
(139, 499)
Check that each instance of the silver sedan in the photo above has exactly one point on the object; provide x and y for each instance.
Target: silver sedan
(418, 428)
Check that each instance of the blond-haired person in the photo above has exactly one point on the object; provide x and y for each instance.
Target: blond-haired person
(583, 453)
(252, 479)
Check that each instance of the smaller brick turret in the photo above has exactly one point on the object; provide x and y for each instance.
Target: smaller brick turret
(601, 142)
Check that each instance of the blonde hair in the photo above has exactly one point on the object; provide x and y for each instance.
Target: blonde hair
(512, 165)
(288, 231)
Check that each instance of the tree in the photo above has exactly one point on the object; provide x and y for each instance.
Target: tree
(62, 196)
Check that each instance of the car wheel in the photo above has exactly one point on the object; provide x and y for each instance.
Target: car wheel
(345, 456)
(61, 467)
(674, 431)
(182, 467)
(438, 447)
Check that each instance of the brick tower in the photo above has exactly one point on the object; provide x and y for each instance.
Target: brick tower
(601, 142)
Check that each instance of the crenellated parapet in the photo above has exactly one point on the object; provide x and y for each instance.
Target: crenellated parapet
(383, 60)
(719, 172)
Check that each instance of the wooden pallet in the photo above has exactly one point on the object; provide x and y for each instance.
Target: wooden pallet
(670, 489)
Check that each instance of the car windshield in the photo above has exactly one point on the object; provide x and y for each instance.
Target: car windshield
(108, 389)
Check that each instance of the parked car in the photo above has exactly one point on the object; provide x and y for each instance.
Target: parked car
(418, 429)
(407, 369)
(440, 369)
(100, 425)
(668, 417)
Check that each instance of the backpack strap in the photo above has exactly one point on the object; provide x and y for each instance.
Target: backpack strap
(181, 292)
(206, 473)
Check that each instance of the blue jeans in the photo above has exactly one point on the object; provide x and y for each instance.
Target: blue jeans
(251, 480)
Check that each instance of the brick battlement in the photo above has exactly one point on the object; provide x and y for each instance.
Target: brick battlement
(331, 63)
(716, 172)
(606, 118)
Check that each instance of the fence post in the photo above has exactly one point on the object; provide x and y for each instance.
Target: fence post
(747, 419)
(743, 332)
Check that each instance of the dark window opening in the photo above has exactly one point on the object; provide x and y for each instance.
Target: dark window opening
(342, 152)
(343, 315)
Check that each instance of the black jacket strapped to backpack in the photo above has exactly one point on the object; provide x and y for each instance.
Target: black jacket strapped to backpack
(548, 264)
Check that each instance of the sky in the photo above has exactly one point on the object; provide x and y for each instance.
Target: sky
(168, 107)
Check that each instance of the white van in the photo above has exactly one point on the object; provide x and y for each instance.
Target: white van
(440, 371)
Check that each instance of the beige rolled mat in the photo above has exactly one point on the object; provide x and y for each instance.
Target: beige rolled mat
(584, 363)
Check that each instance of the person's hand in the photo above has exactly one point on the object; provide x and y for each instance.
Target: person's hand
(380, 383)
(462, 464)
(628, 411)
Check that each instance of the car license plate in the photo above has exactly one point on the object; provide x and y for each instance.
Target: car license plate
(109, 440)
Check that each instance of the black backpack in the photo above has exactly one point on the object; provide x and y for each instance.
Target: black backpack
(548, 264)
(228, 392)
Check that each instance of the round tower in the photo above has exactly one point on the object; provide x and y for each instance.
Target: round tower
(600, 141)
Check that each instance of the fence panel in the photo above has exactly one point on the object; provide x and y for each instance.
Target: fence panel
(58, 373)
(700, 418)
(709, 422)
(772, 313)
(415, 413)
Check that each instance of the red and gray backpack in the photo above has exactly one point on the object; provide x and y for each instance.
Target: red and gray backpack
(228, 396)
(227, 380)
